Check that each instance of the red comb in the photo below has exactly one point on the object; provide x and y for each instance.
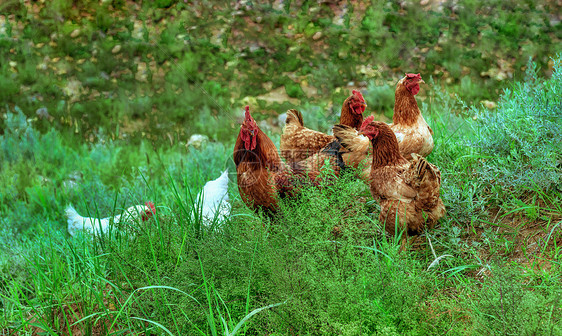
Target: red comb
(358, 95)
(151, 206)
(366, 122)
(248, 116)
(413, 76)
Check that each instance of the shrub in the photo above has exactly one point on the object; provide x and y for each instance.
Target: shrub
(506, 307)
(519, 143)
(380, 98)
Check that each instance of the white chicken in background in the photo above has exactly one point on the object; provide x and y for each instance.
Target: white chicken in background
(91, 225)
(213, 201)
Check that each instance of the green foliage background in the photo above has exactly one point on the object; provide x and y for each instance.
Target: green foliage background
(160, 69)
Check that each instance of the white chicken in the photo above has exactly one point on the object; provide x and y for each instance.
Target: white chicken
(91, 225)
(213, 202)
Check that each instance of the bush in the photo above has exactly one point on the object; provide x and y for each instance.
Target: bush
(505, 307)
(519, 143)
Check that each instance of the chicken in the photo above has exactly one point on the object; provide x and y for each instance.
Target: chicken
(93, 226)
(260, 171)
(212, 203)
(299, 142)
(412, 131)
(263, 177)
(408, 191)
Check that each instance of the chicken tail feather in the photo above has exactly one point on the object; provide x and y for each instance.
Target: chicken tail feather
(350, 139)
(426, 179)
(357, 146)
(294, 117)
(424, 171)
(71, 213)
(334, 149)
(346, 135)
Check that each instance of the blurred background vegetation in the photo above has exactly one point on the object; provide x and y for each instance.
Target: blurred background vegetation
(164, 69)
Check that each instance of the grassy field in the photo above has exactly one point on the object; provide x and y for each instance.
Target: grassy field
(99, 99)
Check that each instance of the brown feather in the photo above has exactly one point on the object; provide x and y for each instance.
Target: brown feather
(357, 144)
(415, 133)
(318, 165)
(299, 142)
(406, 108)
(408, 192)
(357, 153)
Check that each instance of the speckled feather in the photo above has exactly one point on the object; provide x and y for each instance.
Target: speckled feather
(328, 157)
(299, 142)
(412, 131)
(406, 190)
(357, 149)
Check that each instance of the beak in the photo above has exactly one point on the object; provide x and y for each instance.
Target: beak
(421, 81)
(364, 104)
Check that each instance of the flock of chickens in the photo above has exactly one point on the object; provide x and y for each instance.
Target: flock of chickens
(390, 158)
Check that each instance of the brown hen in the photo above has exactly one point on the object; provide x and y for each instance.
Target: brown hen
(299, 142)
(408, 191)
(412, 131)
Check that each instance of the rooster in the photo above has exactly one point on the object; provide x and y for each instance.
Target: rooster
(408, 191)
(213, 202)
(93, 226)
(262, 175)
(299, 142)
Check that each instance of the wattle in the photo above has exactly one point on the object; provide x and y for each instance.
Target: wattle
(360, 109)
(254, 142)
(357, 109)
(249, 141)
(414, 89)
